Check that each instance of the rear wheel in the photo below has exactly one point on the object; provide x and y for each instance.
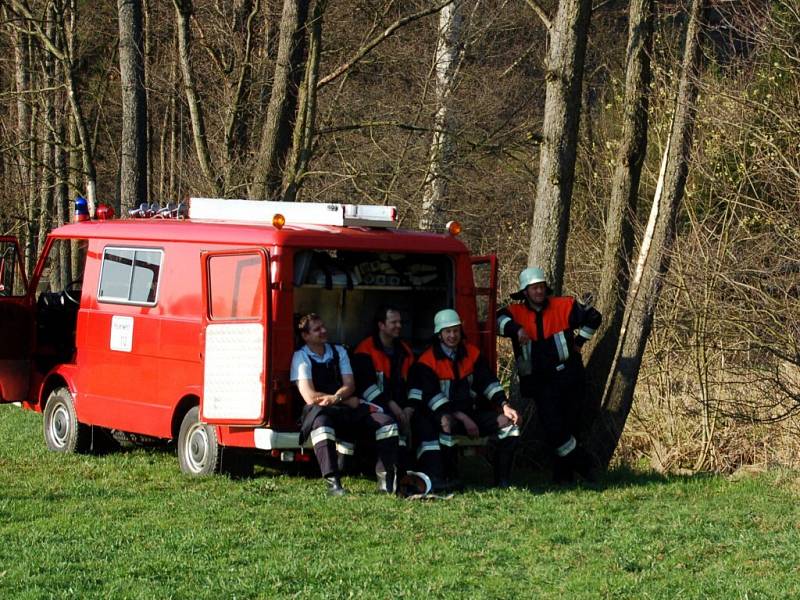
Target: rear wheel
(62, 430)
(199, 452)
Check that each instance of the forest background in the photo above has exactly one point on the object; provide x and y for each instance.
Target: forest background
(551, 130)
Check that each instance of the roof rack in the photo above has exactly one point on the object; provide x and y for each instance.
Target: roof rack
(313, 213)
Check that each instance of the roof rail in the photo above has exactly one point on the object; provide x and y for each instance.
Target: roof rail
(313, 213)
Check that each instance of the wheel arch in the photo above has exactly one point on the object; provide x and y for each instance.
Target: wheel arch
(53, 382)
(184, 405)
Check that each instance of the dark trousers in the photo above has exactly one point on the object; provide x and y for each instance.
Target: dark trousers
(426, 452)
(487, 426)
(330, 426)
(559, 397)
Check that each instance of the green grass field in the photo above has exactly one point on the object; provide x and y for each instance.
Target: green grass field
(129, 525)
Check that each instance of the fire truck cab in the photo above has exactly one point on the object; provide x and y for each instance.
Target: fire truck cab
(184, 328)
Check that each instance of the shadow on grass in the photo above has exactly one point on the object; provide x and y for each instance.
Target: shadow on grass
(477, 475)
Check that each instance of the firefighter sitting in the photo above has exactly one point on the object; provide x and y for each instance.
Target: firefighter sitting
(456, 384)
(381, 363)
(333, 418)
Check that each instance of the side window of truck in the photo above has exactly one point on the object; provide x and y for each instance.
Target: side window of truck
(130, 275)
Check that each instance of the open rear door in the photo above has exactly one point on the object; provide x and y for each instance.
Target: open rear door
(16, 324)
(484, 274)
(236, 315)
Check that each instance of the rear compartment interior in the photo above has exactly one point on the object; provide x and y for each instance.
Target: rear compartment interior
(346, 288)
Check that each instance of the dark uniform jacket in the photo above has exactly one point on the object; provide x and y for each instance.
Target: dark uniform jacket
(379, 376)
(561, 325)
(444, 385)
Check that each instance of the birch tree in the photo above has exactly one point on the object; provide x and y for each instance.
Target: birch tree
(449, 50)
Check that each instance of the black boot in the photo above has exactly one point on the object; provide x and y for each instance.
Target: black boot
(562, 470)
(583, 464)
(503, 461)
(335, 486)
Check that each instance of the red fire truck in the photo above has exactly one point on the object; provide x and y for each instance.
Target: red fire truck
(183, 328)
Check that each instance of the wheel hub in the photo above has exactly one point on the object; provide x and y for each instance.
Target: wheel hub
(197, 448)
(59, 427)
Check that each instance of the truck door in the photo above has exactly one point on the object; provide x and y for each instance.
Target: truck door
(484, 274)
(16, 324)
(236, 317)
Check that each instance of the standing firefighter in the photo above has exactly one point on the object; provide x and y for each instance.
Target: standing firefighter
(381, 364)
(542, 328)
(333, 417)
(456, 384)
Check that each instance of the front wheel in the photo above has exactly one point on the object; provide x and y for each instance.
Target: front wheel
(199, 452)
(62, 430)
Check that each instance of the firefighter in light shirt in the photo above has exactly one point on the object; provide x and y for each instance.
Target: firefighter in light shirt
(453, 381)
(381, 364)
(333, 417)
(547, 333)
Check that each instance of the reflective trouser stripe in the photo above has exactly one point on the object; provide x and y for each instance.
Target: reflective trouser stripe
(492, 389)
(561, 346)
(371, 393)
(437, 401)
(322, 434)
(446, 439)
(428, 447)
(402, 441)
(586, 332)
(568, 447)
(502, 321)
(345, 448)
(508, 431)
(414, 394)
(386, 432)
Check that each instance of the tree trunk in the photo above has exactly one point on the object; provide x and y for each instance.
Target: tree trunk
(133, 146)
(183, 12)
(303, 136)
(276, 134)
(654, 253)
(624, 190)
(235, 125)
(22, 77)
(449, 49)
(565, 61)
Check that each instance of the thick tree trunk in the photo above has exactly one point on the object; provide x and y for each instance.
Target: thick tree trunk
(565, 61)
(277, 130)
(449, 50)
(654, 254)
(133, 146)
(624, 190)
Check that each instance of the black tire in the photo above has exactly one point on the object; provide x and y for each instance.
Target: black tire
(62, 430)
(199, 452)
